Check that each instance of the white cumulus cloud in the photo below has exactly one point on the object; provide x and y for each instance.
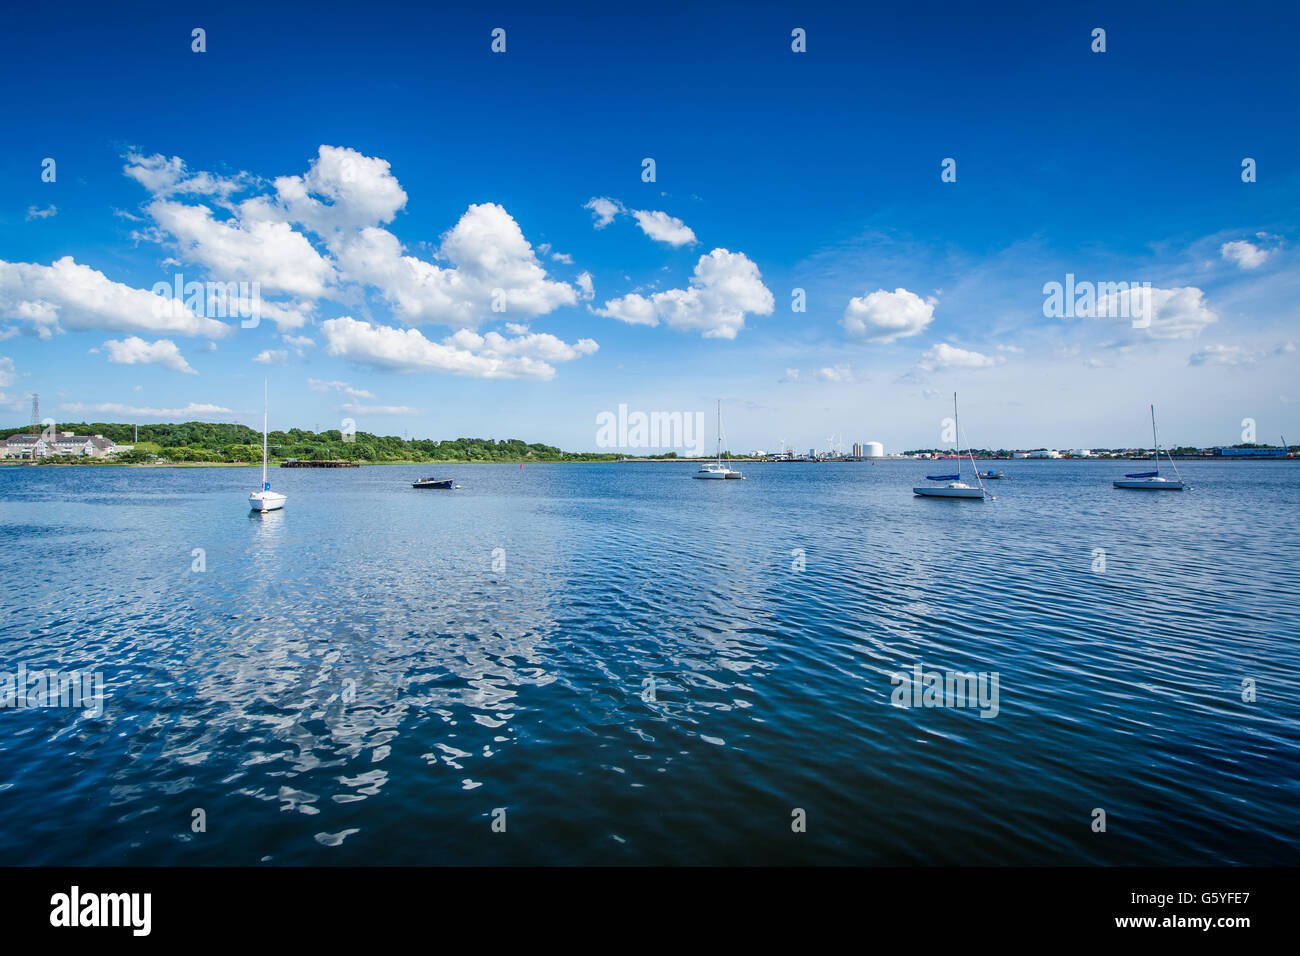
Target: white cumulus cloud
(888, 316)
(724, 287)
(944, 356)
(664, 228)
(465, 353)
(136, 351)
(322, 235)
(319, 235)
(603, 210)
(193, 411)
(162, 176)
(67, 295)
(343, 190)
(491, 264)
(1245, 254)
(316, 385)
(1180, 313)
(271, 253)
(834, 373)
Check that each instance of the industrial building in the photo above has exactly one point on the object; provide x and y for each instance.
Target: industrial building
(1229, 452)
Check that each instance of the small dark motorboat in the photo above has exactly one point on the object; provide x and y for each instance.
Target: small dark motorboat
(992, 475)
(446, 483)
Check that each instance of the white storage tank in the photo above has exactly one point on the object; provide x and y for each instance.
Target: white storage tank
(874, 449)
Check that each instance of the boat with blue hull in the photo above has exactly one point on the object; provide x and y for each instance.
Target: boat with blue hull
(1151, 480)
(951, 486)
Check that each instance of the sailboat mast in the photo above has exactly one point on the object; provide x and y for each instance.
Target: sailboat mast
(264, 407)
(956, 424)
(1154, 439)
(719, 432)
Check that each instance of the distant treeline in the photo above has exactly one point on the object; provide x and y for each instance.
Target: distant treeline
(207, 441)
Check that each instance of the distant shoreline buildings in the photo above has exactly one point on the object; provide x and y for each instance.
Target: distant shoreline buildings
(873, 450)
(62, 444)
(1219, 451)
(860, 452)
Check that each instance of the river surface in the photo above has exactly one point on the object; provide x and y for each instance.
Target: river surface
(612, 663)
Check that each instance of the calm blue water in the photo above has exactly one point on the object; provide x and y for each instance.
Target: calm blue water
(351, 681)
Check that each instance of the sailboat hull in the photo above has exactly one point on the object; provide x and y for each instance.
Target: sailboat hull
(718, 471)
(1151, 480)
(949, 492)
(267, 500)
(951, 486)
(264, 499)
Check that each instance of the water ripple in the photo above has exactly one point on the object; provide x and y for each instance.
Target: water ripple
(618, 664)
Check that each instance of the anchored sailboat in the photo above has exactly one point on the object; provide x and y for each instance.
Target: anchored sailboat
(266, 499)
(951, 485)
(718, 470)
(1151, 480)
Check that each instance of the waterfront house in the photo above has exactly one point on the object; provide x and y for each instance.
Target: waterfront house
(88, 446)
(26, 446)
(64, 443)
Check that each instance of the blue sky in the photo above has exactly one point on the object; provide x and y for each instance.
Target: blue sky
(380, 173)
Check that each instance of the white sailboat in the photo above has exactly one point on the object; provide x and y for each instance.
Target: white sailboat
(1151, 480)
(718, 471)
(266, 499)
(951, 486)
